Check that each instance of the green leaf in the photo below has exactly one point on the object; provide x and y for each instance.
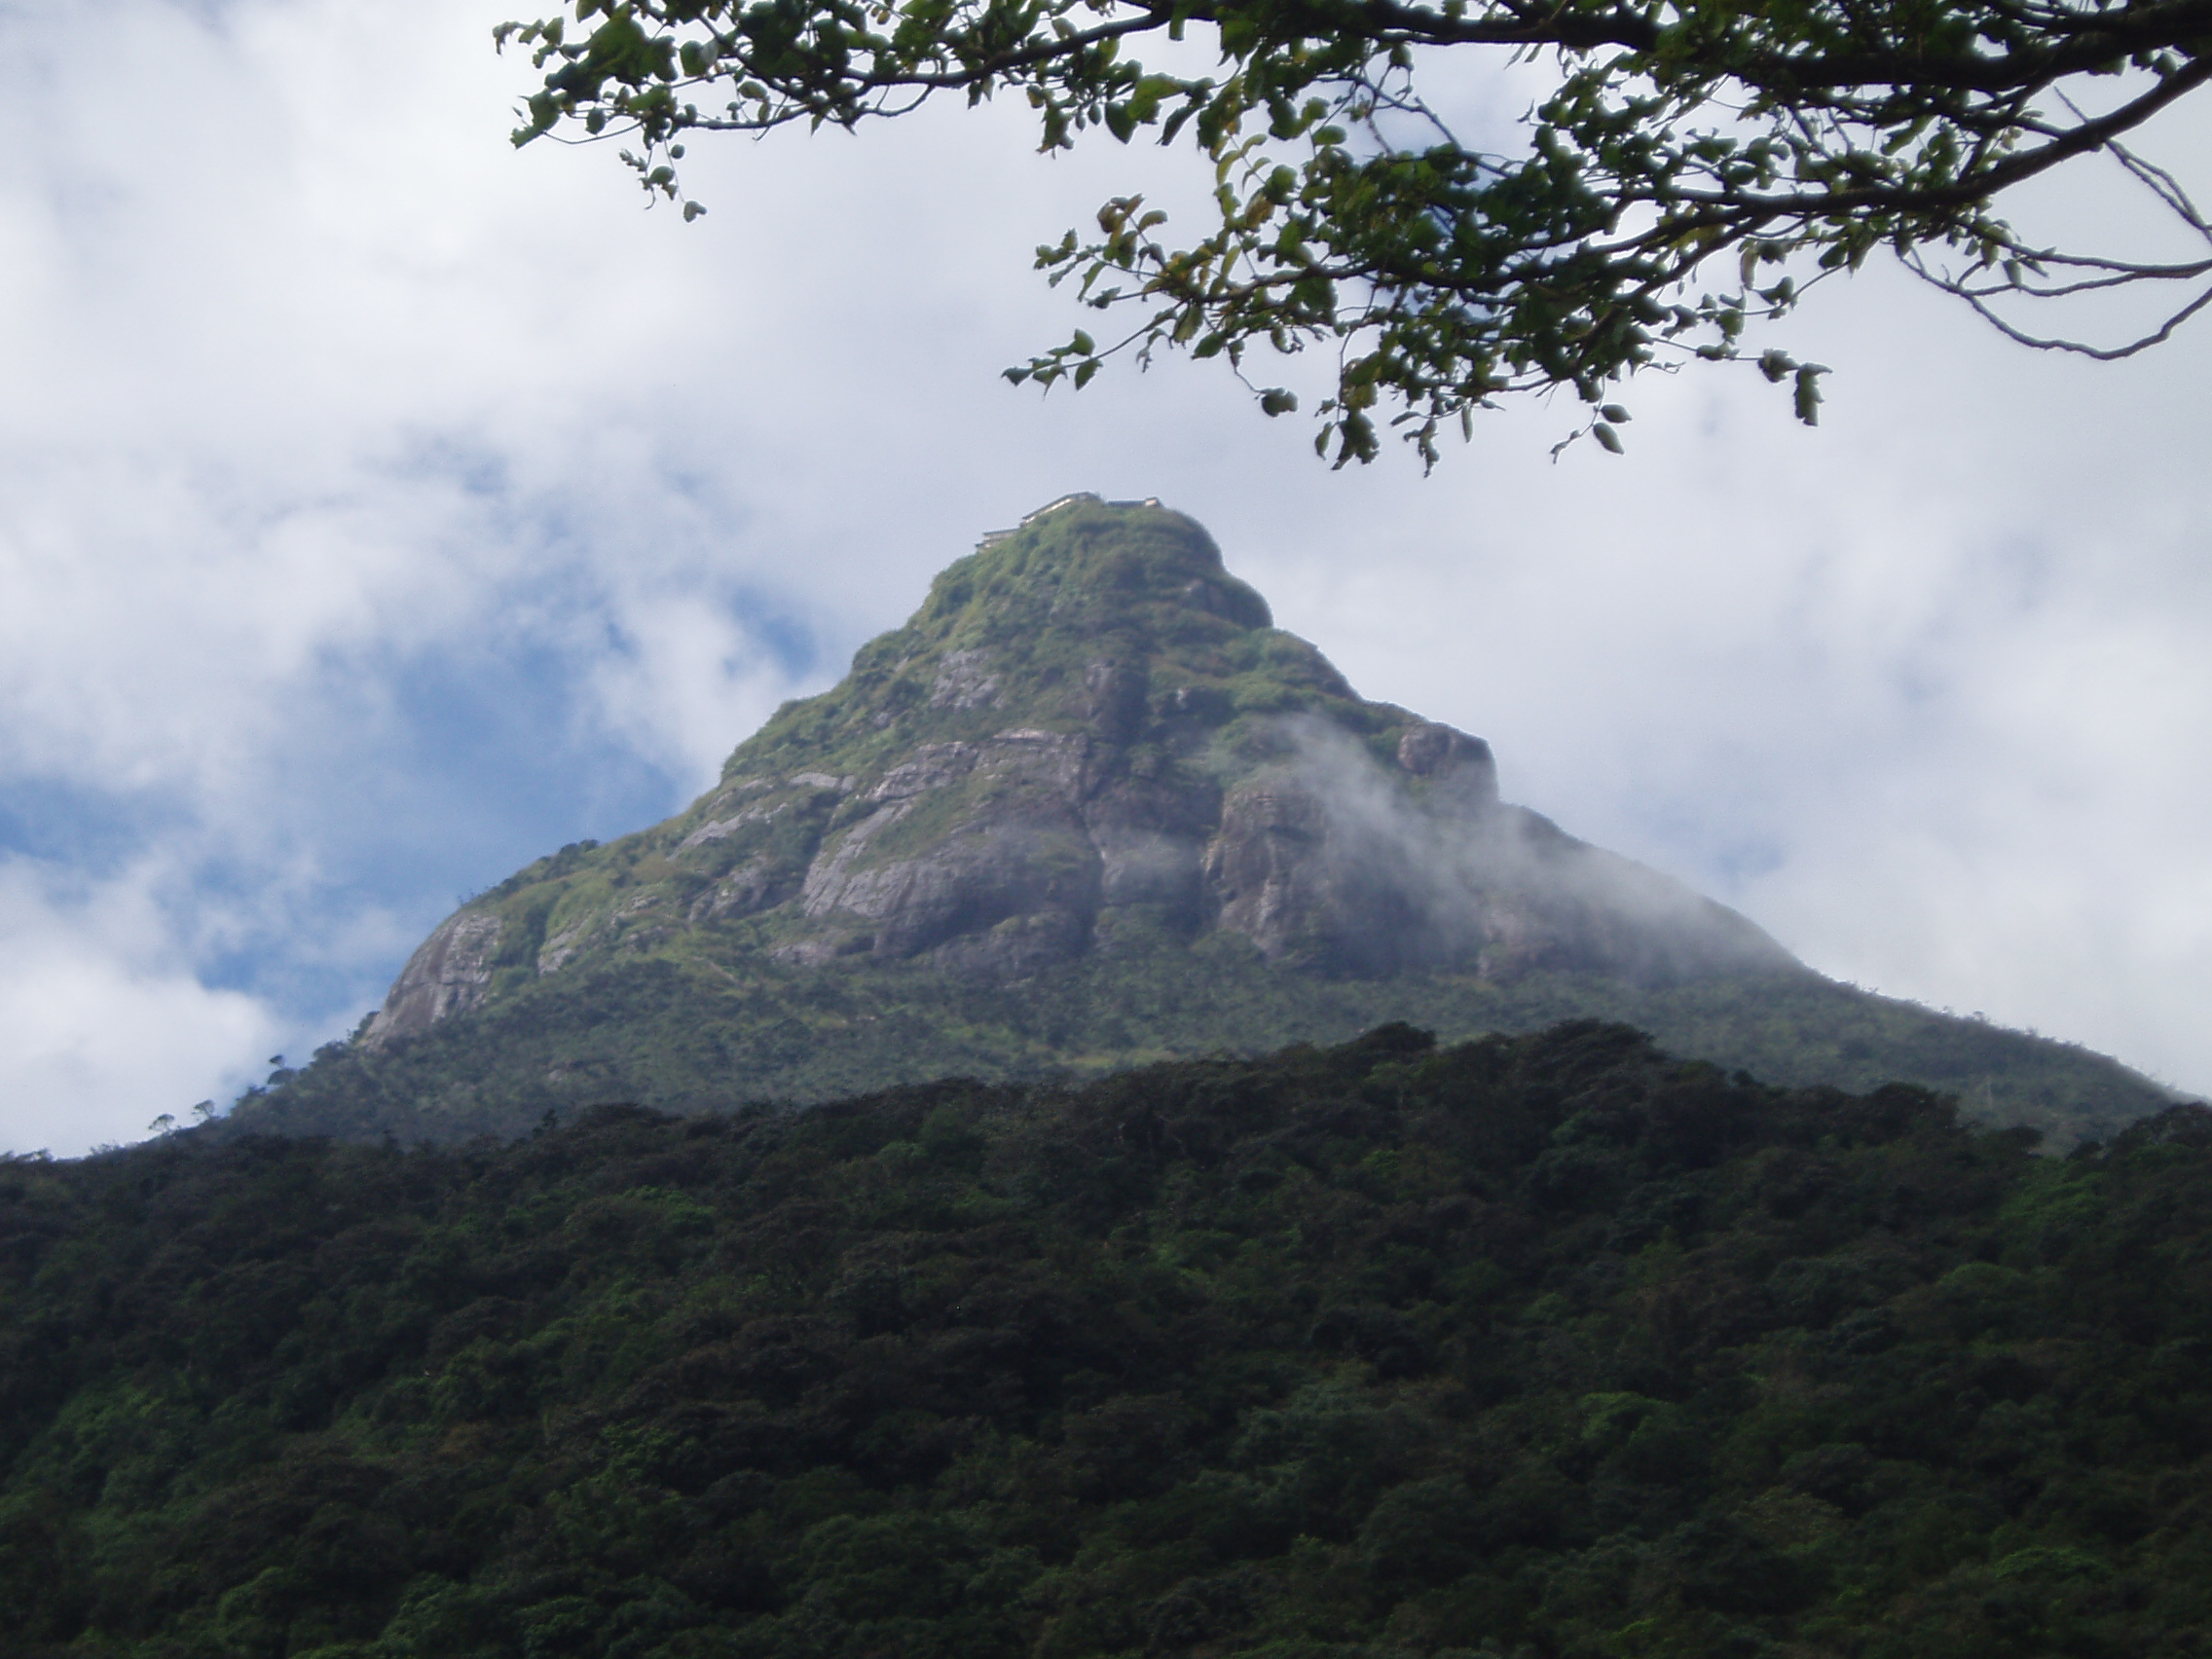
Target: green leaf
(1808, 393)
(1463, 274)
(1607, 438)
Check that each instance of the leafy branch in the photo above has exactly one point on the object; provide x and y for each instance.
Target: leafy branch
(1697, 166)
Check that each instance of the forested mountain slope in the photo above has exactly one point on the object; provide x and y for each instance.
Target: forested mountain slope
(1088, 809)
(1549, 1346)
(686, 1039)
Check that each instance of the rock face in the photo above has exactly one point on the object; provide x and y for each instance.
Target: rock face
(448, 974)
(1089, 735)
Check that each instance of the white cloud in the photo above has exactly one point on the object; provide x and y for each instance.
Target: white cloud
(380, 507)
(1919, 689)
(104, 1027)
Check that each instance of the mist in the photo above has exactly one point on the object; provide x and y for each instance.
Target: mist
(1429, 868)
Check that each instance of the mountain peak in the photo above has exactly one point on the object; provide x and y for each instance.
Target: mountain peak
(1090, 560)
(1090, 739)
(1072, 623)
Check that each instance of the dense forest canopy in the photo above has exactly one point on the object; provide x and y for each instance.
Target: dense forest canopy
(1547, 1345)
(1693, 165)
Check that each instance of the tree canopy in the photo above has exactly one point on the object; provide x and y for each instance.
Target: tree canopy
(1693, 165)
(1546, 1346)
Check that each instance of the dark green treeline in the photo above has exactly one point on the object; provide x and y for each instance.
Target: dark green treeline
(1547, 1345)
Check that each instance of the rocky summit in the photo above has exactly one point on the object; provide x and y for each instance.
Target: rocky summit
(1090, 734)
(1089, 808)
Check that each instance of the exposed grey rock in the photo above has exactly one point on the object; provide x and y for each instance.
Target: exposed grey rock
(1457, 766)
(1322, 862)
(721, 829)
(933, 765)
(1272, 873)
(1147, 866)
(833, 871)
(1051, 763)
(1152, 842)
(449, 974)
(564, 944)
(759, 884)
(1017, 945)
(1113, 698)
(1017, 849)
(1163, 760)
(962, 681)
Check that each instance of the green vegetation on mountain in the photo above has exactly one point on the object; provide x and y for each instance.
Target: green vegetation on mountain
(1088, 809)
(692, 1039)
(1548, 1346)
(1100, 657)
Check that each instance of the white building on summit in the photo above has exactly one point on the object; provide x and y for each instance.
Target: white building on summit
(991, 537)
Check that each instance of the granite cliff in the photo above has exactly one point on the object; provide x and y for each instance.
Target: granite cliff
(1089, 809)
(1090, 735)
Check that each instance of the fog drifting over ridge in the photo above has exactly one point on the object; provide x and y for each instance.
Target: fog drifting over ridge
(1471, 881)
(383, 509)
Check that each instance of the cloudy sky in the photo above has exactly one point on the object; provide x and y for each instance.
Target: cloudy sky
(380, 508)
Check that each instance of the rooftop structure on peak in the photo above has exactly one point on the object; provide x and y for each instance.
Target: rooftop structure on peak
(1053, 507)
(992, 537)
